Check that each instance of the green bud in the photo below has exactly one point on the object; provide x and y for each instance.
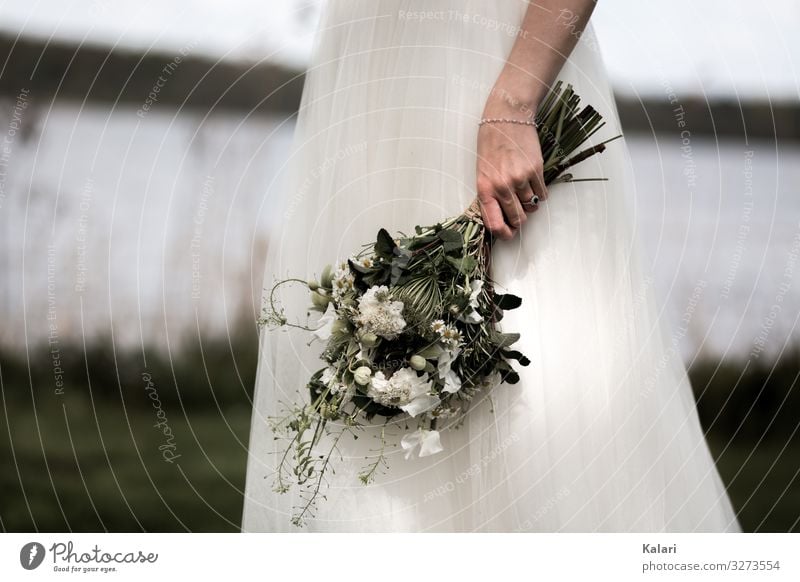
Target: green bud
(339, 326)
(326, 279)
(362, 375)
(369, 340)
(313, 285)
(454, 309)
(319, 300)
(328, 411)
(418, 363)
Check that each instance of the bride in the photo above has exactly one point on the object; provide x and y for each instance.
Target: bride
(601, 434)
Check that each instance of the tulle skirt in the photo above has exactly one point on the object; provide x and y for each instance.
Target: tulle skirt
(601, 433)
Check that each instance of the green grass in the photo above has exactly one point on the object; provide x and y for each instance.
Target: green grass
(79, 468)
(763, 485)
(90, 461)
(108, 474)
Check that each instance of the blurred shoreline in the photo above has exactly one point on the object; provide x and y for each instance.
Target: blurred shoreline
(184, 79)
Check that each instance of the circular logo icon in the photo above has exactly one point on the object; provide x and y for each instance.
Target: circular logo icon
(31, 555)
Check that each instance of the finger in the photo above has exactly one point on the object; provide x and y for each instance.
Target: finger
(493, 219)
(527, 198)
(538, 185)
(515, 216)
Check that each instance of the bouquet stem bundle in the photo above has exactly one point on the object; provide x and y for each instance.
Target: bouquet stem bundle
(410, 328)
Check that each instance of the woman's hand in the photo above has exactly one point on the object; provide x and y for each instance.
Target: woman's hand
(510, 179)
(509, 155)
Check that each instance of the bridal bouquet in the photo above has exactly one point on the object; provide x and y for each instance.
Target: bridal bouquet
(409, 328)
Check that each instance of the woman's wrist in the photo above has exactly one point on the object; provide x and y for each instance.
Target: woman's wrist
(513, 95)
(508, 106)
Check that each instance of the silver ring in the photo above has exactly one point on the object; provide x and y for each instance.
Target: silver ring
(534, 200)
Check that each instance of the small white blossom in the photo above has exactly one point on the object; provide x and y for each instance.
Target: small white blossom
(367, 262)
(378, 314)
(326, 321)
(449, 333)
(328, 374)
(428, 442)
(343, 281)
(452, 382)
(331, 379)
(475, 288)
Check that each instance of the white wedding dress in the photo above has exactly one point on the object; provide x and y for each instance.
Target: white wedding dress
(602, 433)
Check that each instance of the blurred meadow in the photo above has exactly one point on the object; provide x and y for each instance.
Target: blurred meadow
(133, 240)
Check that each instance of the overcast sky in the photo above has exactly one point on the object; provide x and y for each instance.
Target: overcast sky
(704, 47)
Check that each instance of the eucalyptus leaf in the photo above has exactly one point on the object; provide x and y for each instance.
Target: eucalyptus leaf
(465, 264)
(452, 239)
(422, 241)
(516, 355)
(504, 340)
(384, 245)
(507, 301)
(431, 352)
(378, 276)
(399, 263)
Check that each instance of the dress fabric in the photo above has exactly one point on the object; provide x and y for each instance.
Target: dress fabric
(602, 432)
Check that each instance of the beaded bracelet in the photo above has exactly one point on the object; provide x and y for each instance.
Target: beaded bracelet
(507, 120)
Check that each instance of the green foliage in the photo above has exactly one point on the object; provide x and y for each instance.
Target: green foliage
(504, 340)
(452, 240)
(385, 245)
(465, 265)
(507, 301)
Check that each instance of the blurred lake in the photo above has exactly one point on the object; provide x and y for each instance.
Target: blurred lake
(152, 226)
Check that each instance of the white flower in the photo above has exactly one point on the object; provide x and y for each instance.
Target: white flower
(452, 383)
(445, 360)
(378, 314)
(367, 262)
(343, 281)
(427, 440)
(420, 404)
(325, 328)
(404, 390)
(449, 333)
(476, 286)
(328, 374)
(330, 379)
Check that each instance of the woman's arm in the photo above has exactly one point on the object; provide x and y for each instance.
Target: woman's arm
(510, 161)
